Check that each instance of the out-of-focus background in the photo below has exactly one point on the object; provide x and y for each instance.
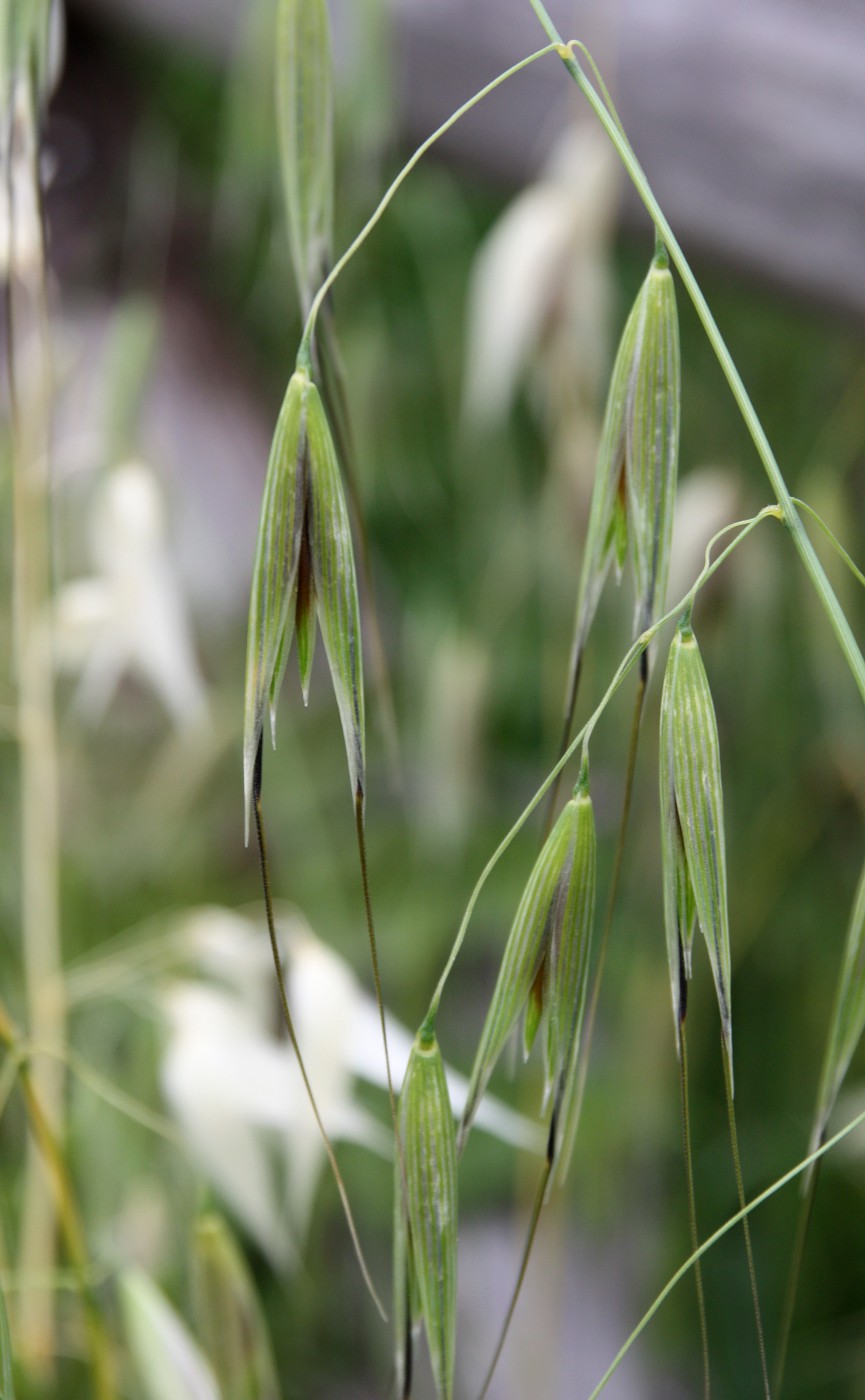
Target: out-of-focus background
(477, 328)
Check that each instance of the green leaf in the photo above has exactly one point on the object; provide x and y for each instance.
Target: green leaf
(525, 950)
(694, 759)
(230, 1321)
(429, 1152)
(336, 585)
(653, 441)
(304, 104)
(848, 1016)
(274, 580)
(169, 1363)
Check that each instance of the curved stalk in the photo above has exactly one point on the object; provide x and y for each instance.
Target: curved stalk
(835, 613)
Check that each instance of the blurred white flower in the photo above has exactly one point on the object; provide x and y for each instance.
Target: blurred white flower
(541, 273)
(232, 1082)
(131, 615)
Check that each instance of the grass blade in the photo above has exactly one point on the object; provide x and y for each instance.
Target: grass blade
(229, 1316)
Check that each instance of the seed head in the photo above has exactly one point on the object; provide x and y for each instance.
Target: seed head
(425, 1233)
(544, 970)
(635, 483)
(692, 826)
(304, 565)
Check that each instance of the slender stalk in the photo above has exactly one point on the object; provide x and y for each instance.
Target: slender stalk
(692, 1206)
(373, 953)
(626, 665)
(304, 354)
(289, 1025)
(43, 1135)
(740, 1188)
(575, 668)
(30, 374)
(790, 516)
(719, 1234)
(806, 1207)
(534, 1218)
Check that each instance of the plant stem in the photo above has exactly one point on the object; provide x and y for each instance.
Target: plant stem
(719, 1234)
(635, 651)
(289, 1025)
(692, 1205)
(534, 1218)
(806, 1206)
(740, 1188)
(30, 373)
(575, 667)
(304, 354)
(44, 1137)
(790, 516)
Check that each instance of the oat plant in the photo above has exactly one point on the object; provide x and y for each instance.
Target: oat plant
(305, 572)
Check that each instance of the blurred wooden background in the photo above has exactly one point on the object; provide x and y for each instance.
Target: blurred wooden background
(749, 115)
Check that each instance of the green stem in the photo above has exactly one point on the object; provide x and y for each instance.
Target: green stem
(692, 1205)
(98, 1343)
(806, 1206)
(719, 1234)
(524, 1263)
(740, 1188)
(31, 392)
(289, 1025)
(624, 668)
(791, 518)
(618, 861)
(304, 354)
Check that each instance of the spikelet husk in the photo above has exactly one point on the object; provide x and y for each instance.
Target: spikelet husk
(848, 1016)
(635, 481)
(527, 947)
(690, 734)
(274, 580)
(335, 583)
(425, 1251)
(304, 104)
(228, 1314)
(653, 442)
(570, 942)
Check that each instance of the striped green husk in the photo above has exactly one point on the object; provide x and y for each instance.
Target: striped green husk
(525, 951)
(570, 944)
(635, 480)
(426, 1243)
(335, 582)
(689, 734)
(304, 105)
(271, 611)
(679, 911)
(848, 1016)
(653, 442)
(229, 1317)
(304, 567)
